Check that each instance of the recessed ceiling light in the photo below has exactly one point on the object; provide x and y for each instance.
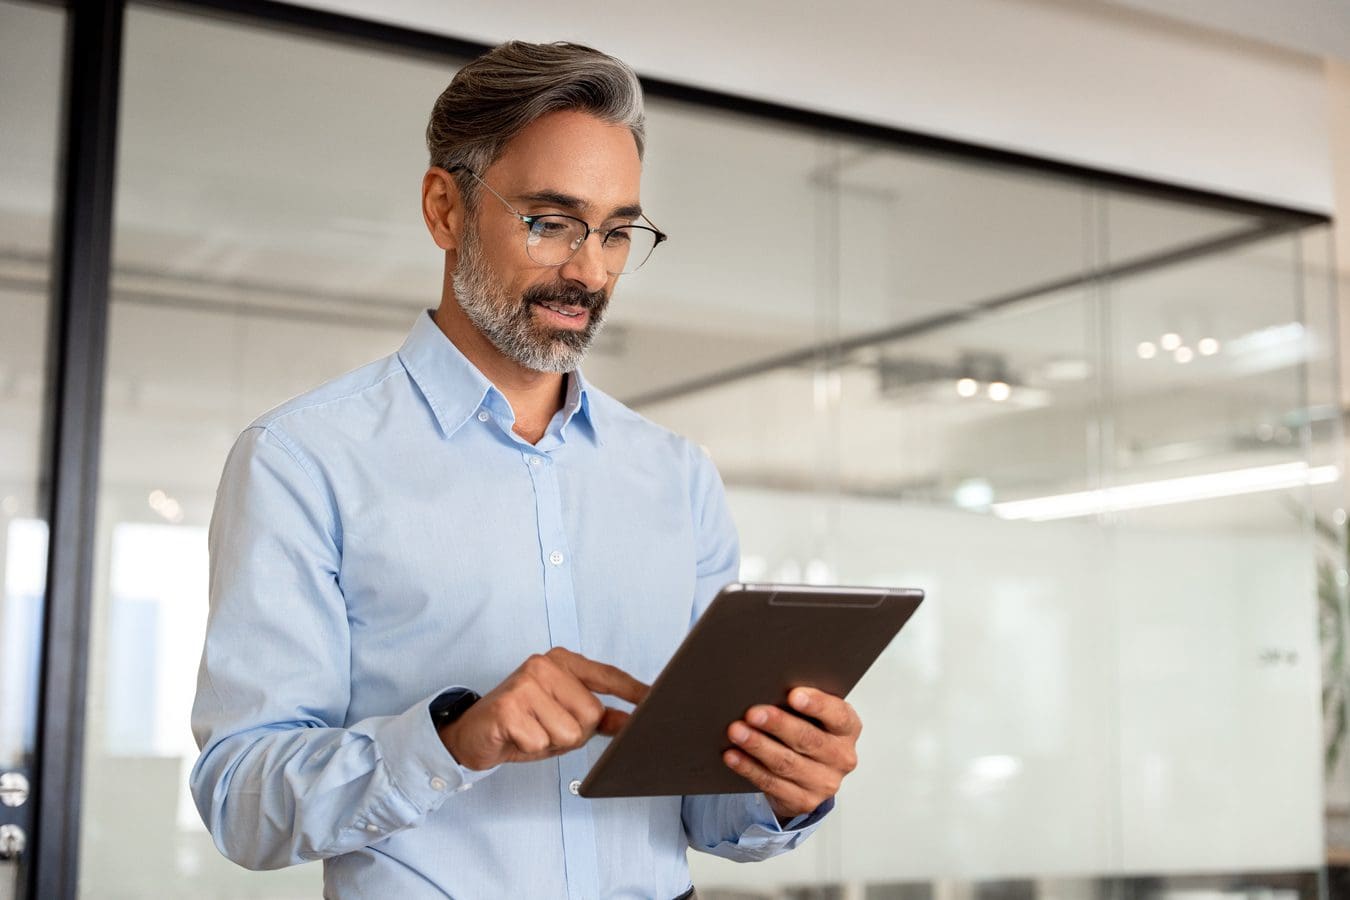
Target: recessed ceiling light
(967, 387)
(999, 391)
(1146, 350)
(1170, 341)
(1207, 346)
(1183, 355)
(973, 493)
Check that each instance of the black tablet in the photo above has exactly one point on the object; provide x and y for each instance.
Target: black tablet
(753, 645)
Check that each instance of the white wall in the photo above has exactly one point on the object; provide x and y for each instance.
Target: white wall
(1087, 83)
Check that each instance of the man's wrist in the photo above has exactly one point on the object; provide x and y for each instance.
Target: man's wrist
(448, 707)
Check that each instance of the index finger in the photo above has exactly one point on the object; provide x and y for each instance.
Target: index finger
(599, 677)
(833, 713)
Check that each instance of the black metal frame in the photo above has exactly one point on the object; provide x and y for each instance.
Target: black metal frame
(78, 340)
(80, 316)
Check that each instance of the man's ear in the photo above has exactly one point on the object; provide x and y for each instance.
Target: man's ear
(442, 208)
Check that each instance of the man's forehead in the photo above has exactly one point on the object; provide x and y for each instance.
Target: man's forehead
(574, 156)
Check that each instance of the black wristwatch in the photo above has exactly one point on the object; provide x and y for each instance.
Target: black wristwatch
(451, 705)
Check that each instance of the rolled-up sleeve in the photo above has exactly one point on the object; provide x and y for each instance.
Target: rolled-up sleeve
(280, 780)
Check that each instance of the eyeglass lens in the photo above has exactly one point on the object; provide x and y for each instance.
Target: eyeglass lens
(553, 240)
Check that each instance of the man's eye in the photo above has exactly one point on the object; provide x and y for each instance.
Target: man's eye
(550, 229)
(619, 236)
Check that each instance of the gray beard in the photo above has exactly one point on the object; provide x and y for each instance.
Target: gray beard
(509, 322)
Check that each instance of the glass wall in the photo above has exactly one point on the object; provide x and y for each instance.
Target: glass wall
(32, 39)
(1091, 424)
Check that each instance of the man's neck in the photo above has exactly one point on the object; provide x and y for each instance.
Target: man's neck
(534, 396)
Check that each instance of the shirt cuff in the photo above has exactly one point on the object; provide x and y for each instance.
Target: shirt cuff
(764, 817)
(419, 765)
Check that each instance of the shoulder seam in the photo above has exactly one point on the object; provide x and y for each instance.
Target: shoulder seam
(267, 420)
(305, 466)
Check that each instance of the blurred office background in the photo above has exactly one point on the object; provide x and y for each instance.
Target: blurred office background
(1032, 304)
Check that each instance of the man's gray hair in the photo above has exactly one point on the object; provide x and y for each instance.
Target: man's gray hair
(494, 97)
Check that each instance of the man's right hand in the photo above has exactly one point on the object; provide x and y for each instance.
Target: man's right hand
(546, 707)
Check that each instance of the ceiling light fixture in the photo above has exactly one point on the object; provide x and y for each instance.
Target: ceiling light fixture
(1167, 492)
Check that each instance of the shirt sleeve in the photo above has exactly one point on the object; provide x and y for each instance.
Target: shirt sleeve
(279, 780)
(740, 827)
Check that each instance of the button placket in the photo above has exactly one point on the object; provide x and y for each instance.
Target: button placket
(564, 630)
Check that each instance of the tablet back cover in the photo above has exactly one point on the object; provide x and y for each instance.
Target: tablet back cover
(753, 645)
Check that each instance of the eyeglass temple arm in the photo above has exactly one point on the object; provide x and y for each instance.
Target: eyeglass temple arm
(463, 168)
(661, 236)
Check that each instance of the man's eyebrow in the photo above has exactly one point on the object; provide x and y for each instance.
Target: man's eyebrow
(577, 205)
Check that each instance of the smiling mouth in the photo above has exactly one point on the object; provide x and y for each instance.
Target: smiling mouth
(570, 312)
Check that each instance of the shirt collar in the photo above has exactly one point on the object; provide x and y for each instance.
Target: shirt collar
(455, 389)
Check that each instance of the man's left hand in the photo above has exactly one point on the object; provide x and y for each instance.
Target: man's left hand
(797, 765)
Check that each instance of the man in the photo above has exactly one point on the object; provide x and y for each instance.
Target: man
(470, 516)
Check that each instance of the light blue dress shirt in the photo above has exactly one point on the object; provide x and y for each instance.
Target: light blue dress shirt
(387, 537)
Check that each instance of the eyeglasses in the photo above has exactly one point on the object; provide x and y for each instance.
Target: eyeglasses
(553, 238)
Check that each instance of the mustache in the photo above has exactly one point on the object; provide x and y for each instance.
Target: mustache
(565, 296)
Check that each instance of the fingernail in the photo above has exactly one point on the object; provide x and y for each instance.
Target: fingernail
(800, 700)
(757, 717)
(739, 733)
(732, 758)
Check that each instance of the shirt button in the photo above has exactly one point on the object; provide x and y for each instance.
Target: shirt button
(575, 788)
(373, 829)
(483, 417)
(535, 461)
(438, 784)
(556, 558)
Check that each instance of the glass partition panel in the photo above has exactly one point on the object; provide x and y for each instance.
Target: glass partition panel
(245, 271)
(909, 369)
(963, 367)
(32, 50)
(1213, 570)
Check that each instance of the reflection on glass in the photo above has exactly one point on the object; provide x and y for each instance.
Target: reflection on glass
(20, 637)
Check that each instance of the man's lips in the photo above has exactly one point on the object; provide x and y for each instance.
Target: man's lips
(564, 313)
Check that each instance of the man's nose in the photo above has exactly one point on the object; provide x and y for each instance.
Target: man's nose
(587, 265)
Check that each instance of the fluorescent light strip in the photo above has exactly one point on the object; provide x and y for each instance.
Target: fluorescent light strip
(1165, 493)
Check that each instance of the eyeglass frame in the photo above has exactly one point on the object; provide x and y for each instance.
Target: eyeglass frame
(661, 236)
